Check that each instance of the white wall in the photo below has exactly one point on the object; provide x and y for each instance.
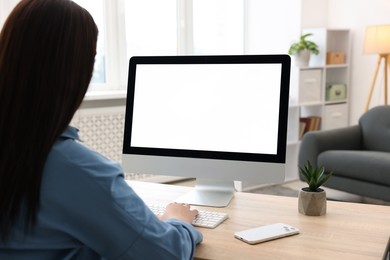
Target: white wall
(314, 13)
(357, 15)
(5, 8)
(272, 25)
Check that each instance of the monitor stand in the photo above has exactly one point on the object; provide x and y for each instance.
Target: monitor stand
(212, 193)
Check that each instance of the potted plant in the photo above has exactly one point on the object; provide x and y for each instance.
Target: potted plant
(312, 199)
(302, 50)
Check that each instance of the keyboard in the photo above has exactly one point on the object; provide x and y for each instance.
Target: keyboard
(206, 219)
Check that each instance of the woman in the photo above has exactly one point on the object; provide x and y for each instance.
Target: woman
(58, 199)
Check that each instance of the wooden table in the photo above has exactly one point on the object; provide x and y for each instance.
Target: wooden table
(347, 231)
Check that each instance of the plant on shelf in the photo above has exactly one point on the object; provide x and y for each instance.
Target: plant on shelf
(302, 50)
(312, 199)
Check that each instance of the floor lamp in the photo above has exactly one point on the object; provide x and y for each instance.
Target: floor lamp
(377, 41)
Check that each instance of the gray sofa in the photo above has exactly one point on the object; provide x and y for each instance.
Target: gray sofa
(359, 155)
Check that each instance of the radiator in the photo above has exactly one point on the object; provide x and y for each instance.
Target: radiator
(101, 129)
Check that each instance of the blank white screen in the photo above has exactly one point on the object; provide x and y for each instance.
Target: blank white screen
(207, 107)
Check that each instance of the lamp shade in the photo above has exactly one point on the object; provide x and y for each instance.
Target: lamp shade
(377, 40)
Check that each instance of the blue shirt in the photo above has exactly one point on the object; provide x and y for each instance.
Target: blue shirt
(88, 211)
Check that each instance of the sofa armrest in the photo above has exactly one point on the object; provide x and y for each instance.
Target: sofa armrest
(315, 142)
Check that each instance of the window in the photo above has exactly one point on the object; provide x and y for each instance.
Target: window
(95, 8)
(151, 27)
(155, 27)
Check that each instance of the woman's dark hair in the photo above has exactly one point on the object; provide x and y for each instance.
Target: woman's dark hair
(47, 52)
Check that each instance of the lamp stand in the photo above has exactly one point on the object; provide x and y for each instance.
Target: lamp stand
(385, 58)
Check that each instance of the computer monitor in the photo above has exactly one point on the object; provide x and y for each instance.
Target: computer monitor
(218, 119)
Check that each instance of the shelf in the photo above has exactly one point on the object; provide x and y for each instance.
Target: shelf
(335, 102)
(309, 85)
(291, 143)
(310, 67)
(293, 104)
(310, 104)
(330, 66)
(105, 95)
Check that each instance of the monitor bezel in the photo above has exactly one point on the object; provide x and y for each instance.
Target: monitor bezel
(280, 155)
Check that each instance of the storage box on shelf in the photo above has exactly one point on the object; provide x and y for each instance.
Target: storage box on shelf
(310, 86)
(335, 116)
(335, 57)
(335, 92)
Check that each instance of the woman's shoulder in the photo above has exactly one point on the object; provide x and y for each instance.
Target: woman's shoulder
(69, 156)
(69, 148)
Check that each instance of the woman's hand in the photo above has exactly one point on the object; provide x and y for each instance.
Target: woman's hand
(179, 211)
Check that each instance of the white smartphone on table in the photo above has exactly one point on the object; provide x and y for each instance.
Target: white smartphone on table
(266, 233)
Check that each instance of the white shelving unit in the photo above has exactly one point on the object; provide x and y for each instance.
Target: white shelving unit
(308, 88)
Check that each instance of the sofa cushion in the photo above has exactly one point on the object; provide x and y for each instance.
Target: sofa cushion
(370, 166)
(375, 128)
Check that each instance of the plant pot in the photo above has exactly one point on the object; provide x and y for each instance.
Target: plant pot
(312, 203)
(302, 58)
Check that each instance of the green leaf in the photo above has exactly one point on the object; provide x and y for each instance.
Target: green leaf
(303, 44)
(314, 176)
